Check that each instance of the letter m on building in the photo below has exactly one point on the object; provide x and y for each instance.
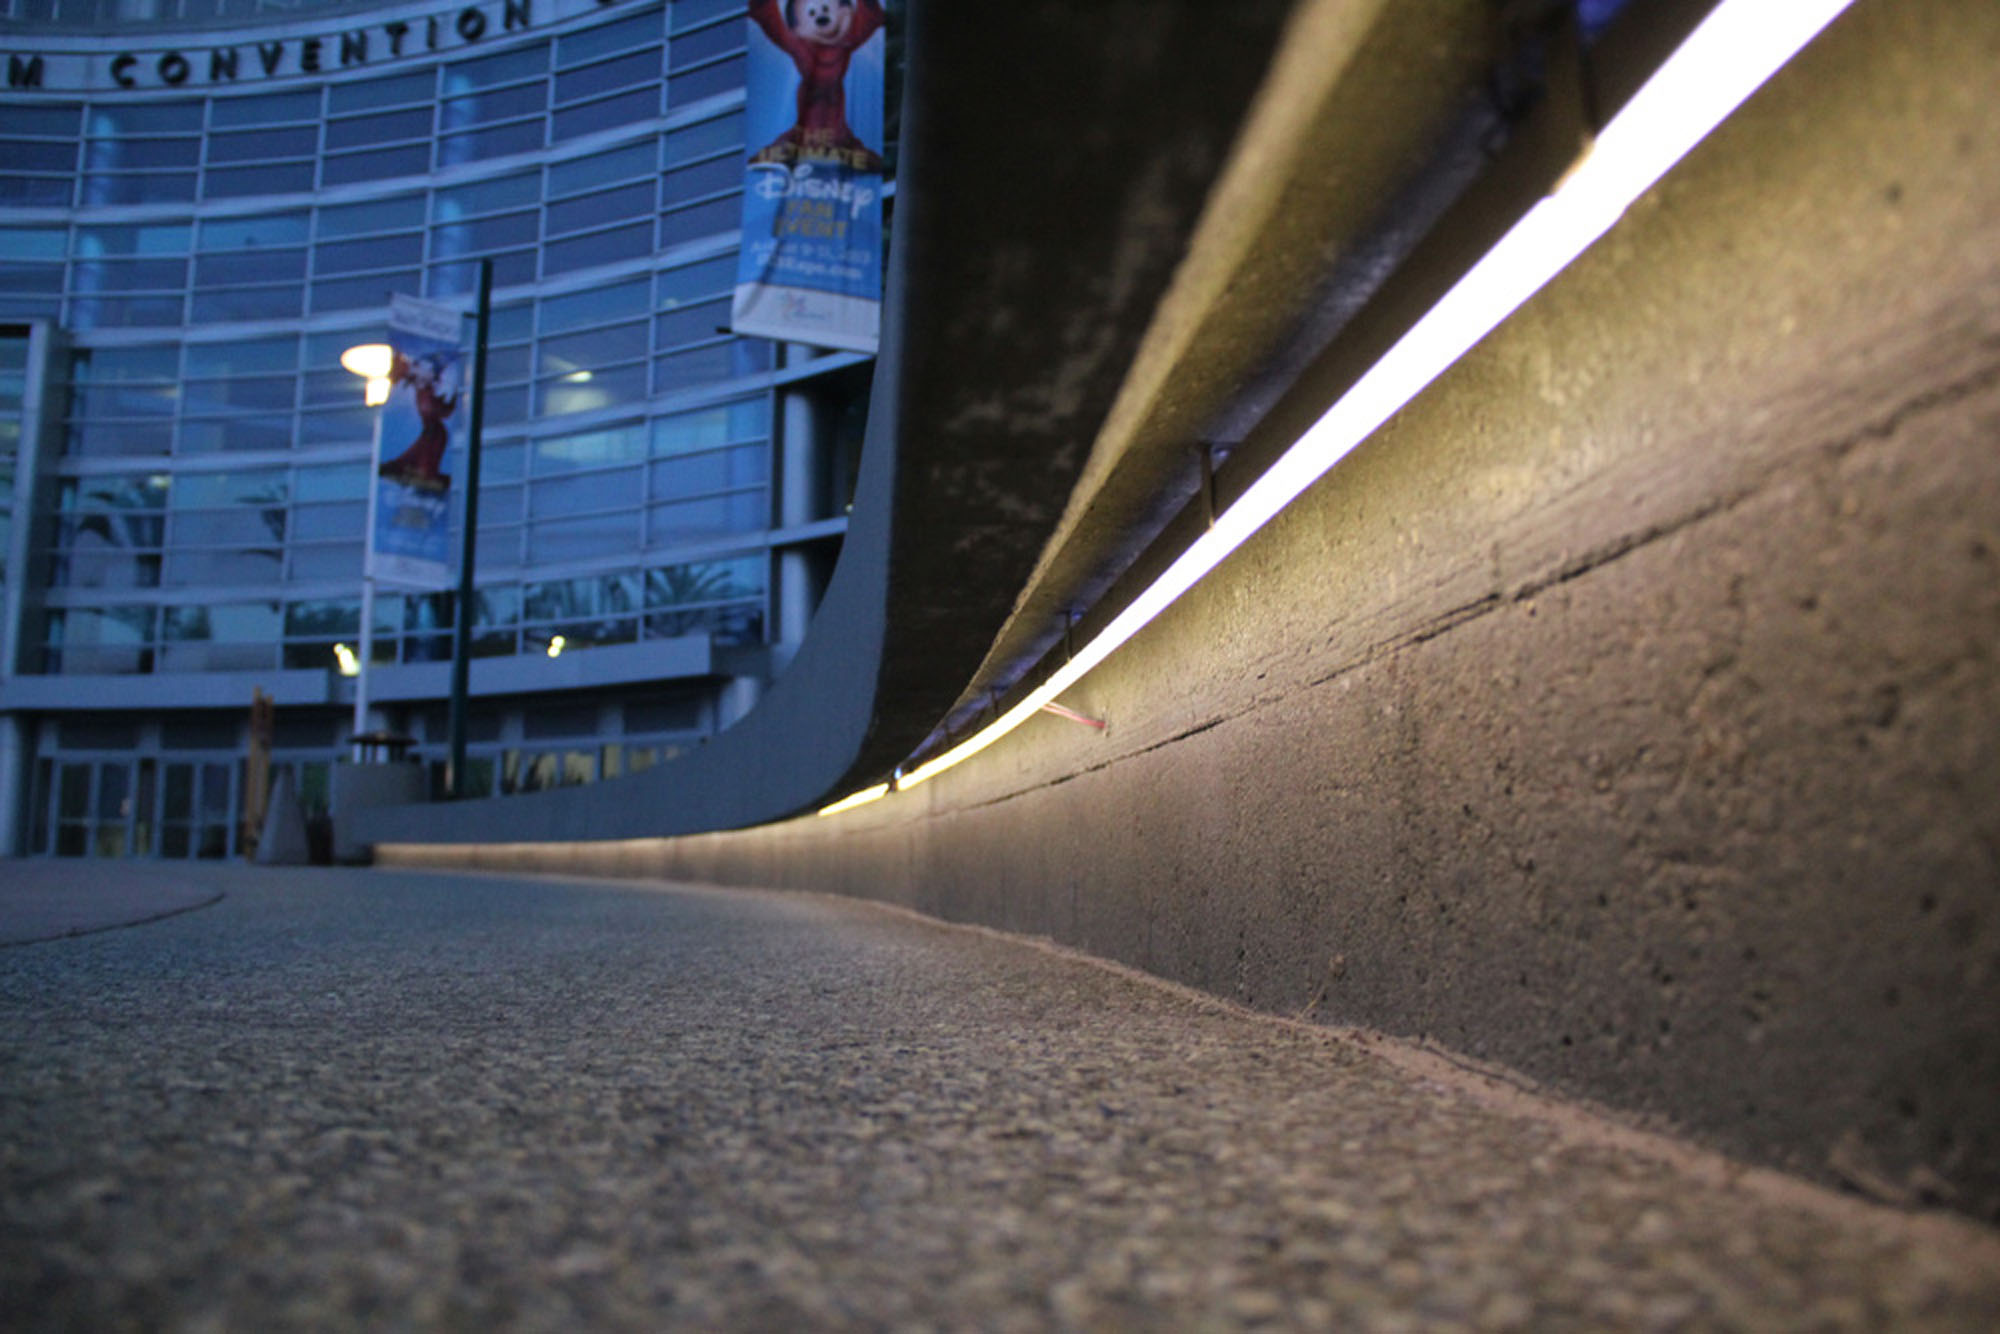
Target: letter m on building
(24, 73)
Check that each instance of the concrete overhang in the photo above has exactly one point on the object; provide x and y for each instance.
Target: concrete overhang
(683, 658)
(1359, 98)
(166, 691)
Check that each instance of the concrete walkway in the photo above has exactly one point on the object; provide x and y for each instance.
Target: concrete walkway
(350, 1099)
(48, 899)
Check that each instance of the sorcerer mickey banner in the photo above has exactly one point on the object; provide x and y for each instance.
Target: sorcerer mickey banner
(810, 270)
(409, 520)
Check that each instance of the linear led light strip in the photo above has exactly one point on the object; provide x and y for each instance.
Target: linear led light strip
(1728, 57)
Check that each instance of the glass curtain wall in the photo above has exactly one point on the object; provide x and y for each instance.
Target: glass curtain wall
(215, 465)
(13, 406)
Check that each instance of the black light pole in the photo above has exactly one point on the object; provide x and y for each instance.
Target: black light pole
(461, 627)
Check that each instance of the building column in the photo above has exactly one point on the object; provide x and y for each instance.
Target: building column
(21, 627)
(16, 756)
(40, 442)
(802, 499)
(736, 699)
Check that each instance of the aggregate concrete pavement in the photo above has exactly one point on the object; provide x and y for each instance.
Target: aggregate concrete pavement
(45, 899)
(398, 1100)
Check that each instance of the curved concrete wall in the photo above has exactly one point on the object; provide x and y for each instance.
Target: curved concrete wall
(1025, 264)
(1625, 712)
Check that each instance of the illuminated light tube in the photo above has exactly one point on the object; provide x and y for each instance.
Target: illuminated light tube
(861, 798)
(1739, 46)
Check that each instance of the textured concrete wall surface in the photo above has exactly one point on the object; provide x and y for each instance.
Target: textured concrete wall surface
(1624, 713)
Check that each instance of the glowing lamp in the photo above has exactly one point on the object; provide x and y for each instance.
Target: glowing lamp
(370, 361)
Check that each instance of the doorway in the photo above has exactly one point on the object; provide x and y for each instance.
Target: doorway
(144, 807)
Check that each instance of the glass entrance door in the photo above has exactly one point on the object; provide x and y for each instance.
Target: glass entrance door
(103, 809)
(197, 802)
(181, 805)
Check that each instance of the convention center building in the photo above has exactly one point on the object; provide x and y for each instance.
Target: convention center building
(203, 203)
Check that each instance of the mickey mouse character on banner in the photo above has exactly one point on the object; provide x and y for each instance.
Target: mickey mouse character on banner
(821, 37)
(418, 465)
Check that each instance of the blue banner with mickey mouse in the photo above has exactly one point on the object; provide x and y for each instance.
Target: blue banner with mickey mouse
(810, 270)
(416, 436)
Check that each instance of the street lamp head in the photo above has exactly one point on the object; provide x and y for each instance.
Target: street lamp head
(371, 361)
